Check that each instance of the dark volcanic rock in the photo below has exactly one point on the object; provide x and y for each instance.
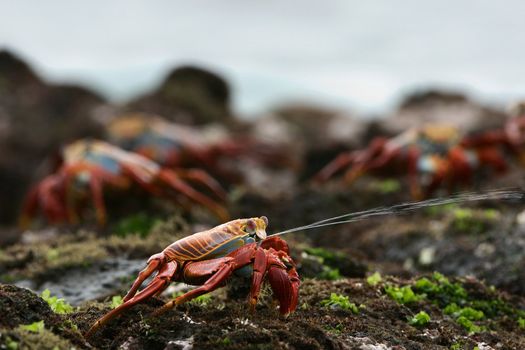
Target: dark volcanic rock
(35, 120)
(21, 306)
(189, 95)
(435, 106)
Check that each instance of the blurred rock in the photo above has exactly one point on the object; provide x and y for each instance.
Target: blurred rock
(35, 120)
(189, 95)
(315, 135)
(435, 106)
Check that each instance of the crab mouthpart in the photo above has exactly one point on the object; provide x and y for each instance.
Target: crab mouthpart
(261, 233)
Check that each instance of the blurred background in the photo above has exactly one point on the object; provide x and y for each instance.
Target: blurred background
(356, 55)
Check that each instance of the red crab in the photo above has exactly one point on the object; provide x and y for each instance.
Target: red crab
(430, 156)
(90, 165)
(178, 146)
(207, 259)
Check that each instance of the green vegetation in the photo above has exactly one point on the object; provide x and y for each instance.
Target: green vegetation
(440, 290)
(387, 186)
(455, 346)
(440, 209)
(10, 344)
(35, 327)
(402, 295)
(202, 300)
(473, 221)
(420, 319)
(341, 302)
(330, 274)
(58, 305)
(116, 301)
(374, 279)
(470, 326)
(139, 224)
(454, 301)
(338, 329)
(328, 257)
(330, 260)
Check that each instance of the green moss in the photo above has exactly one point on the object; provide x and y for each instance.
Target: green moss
(420, 319)
(330, 261)
(44, 339)
(387, 186)
(374, 279)
(116, 301)
(402, 295)
(338, 329)
(10, 344)
(58, 305)
(35, 327)
(330, 274)
(440, 290)
(440, 209)
(521, 323)
(469, 326)
(341, 302)
(138, 224)
(327, 256)
(473, 221)
(202, 300)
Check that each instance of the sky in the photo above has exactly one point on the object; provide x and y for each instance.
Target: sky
(357, 55)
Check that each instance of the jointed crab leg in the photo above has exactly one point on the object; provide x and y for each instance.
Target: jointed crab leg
(201, 177)
(153, 265)
(47, 192)
(169, 177)
(159, 283)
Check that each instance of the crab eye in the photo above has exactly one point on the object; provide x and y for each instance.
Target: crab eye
(265, 219)
(250, 226)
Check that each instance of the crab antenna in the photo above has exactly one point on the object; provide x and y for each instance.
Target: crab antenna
(500, 194)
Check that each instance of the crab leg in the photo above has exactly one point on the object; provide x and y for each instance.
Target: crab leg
(260, 265)
(214, 282)
(159, 283)
(334, 166)
(201, 177)
(154, 263)
(44, 195)
(220, 270)
(169, 177)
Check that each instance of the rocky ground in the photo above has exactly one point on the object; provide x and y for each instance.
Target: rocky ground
(445, 277)
(368, 285)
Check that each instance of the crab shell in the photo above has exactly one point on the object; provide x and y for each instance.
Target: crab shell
(218, 241)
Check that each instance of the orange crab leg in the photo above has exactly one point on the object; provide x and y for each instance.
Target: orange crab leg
(201, 177)
(214, 282)
(169, 177)
(46, 195)
(340, 162)
(159, 283)
(153, 265)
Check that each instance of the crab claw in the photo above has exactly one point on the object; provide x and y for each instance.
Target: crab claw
(282, 274)
(285, 286)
